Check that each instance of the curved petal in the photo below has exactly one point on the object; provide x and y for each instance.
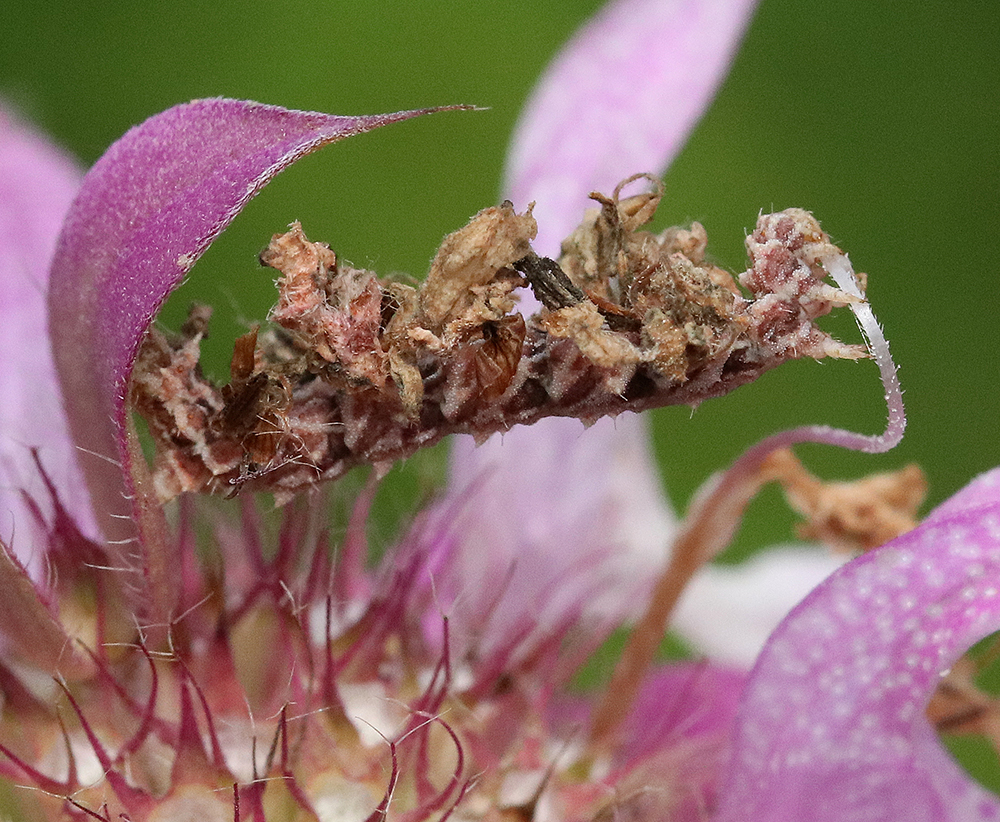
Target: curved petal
(620, 98)
(832, 724)
(37, 184)
(983, 490)
(147, 211)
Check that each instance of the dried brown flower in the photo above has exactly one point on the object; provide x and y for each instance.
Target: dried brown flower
(360, 369)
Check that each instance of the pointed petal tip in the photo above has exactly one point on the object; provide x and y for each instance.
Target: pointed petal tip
(146, 212)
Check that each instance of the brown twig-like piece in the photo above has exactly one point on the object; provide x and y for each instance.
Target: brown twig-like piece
(358, 370)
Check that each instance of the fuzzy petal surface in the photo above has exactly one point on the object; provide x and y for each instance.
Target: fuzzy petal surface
(37, 183)
(832, 724)
(619, 99)
(147, 211)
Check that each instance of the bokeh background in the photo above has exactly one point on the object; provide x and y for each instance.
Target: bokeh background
(882, 118)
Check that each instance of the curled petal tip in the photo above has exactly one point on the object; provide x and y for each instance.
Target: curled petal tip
(147, 211)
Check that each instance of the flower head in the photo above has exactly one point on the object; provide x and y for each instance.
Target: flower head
(200, 663)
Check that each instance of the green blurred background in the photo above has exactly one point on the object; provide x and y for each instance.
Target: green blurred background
(882, 118)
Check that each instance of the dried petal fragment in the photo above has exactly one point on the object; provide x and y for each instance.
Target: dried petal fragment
(332, 311)
(470, 259)
(661, 328)
(850, 516)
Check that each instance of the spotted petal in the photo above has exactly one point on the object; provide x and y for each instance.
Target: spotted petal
(832, 724)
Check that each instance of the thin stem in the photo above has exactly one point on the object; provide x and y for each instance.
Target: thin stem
(715, 514)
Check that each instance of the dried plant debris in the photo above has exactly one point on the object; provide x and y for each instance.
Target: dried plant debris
(852, 516)
(357, 369)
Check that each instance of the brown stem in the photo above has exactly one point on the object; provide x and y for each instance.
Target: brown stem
(368, 371)
(709, 526)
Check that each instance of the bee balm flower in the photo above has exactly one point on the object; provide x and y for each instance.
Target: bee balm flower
(198, 666)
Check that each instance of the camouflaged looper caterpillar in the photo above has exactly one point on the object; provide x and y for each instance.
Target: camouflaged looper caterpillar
(356, 369)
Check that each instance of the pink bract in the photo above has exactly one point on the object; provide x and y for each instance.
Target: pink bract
(147, 211)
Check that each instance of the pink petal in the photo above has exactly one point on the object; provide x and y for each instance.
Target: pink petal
(621, 98)
(147, 211)
(558, 522)
(983, 490)
(685, 700)
(673, 743)
(557, 503)
(832, 725)
(37, 183)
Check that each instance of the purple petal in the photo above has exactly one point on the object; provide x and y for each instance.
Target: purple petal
(552, 524)
(620, 99)
(37, 183)
(147, 211)
(832, 725)
(983, 490)
(556, 501)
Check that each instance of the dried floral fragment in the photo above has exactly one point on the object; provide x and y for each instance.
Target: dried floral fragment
(464, 284)
(687, 311)
(584, 325)
(850, 516)
(602, 254)
(551, 285)
(333, 312)
(359, 369)
(960, 707)
(786, 280)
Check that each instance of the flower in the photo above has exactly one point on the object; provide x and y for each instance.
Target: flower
(256, 675)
